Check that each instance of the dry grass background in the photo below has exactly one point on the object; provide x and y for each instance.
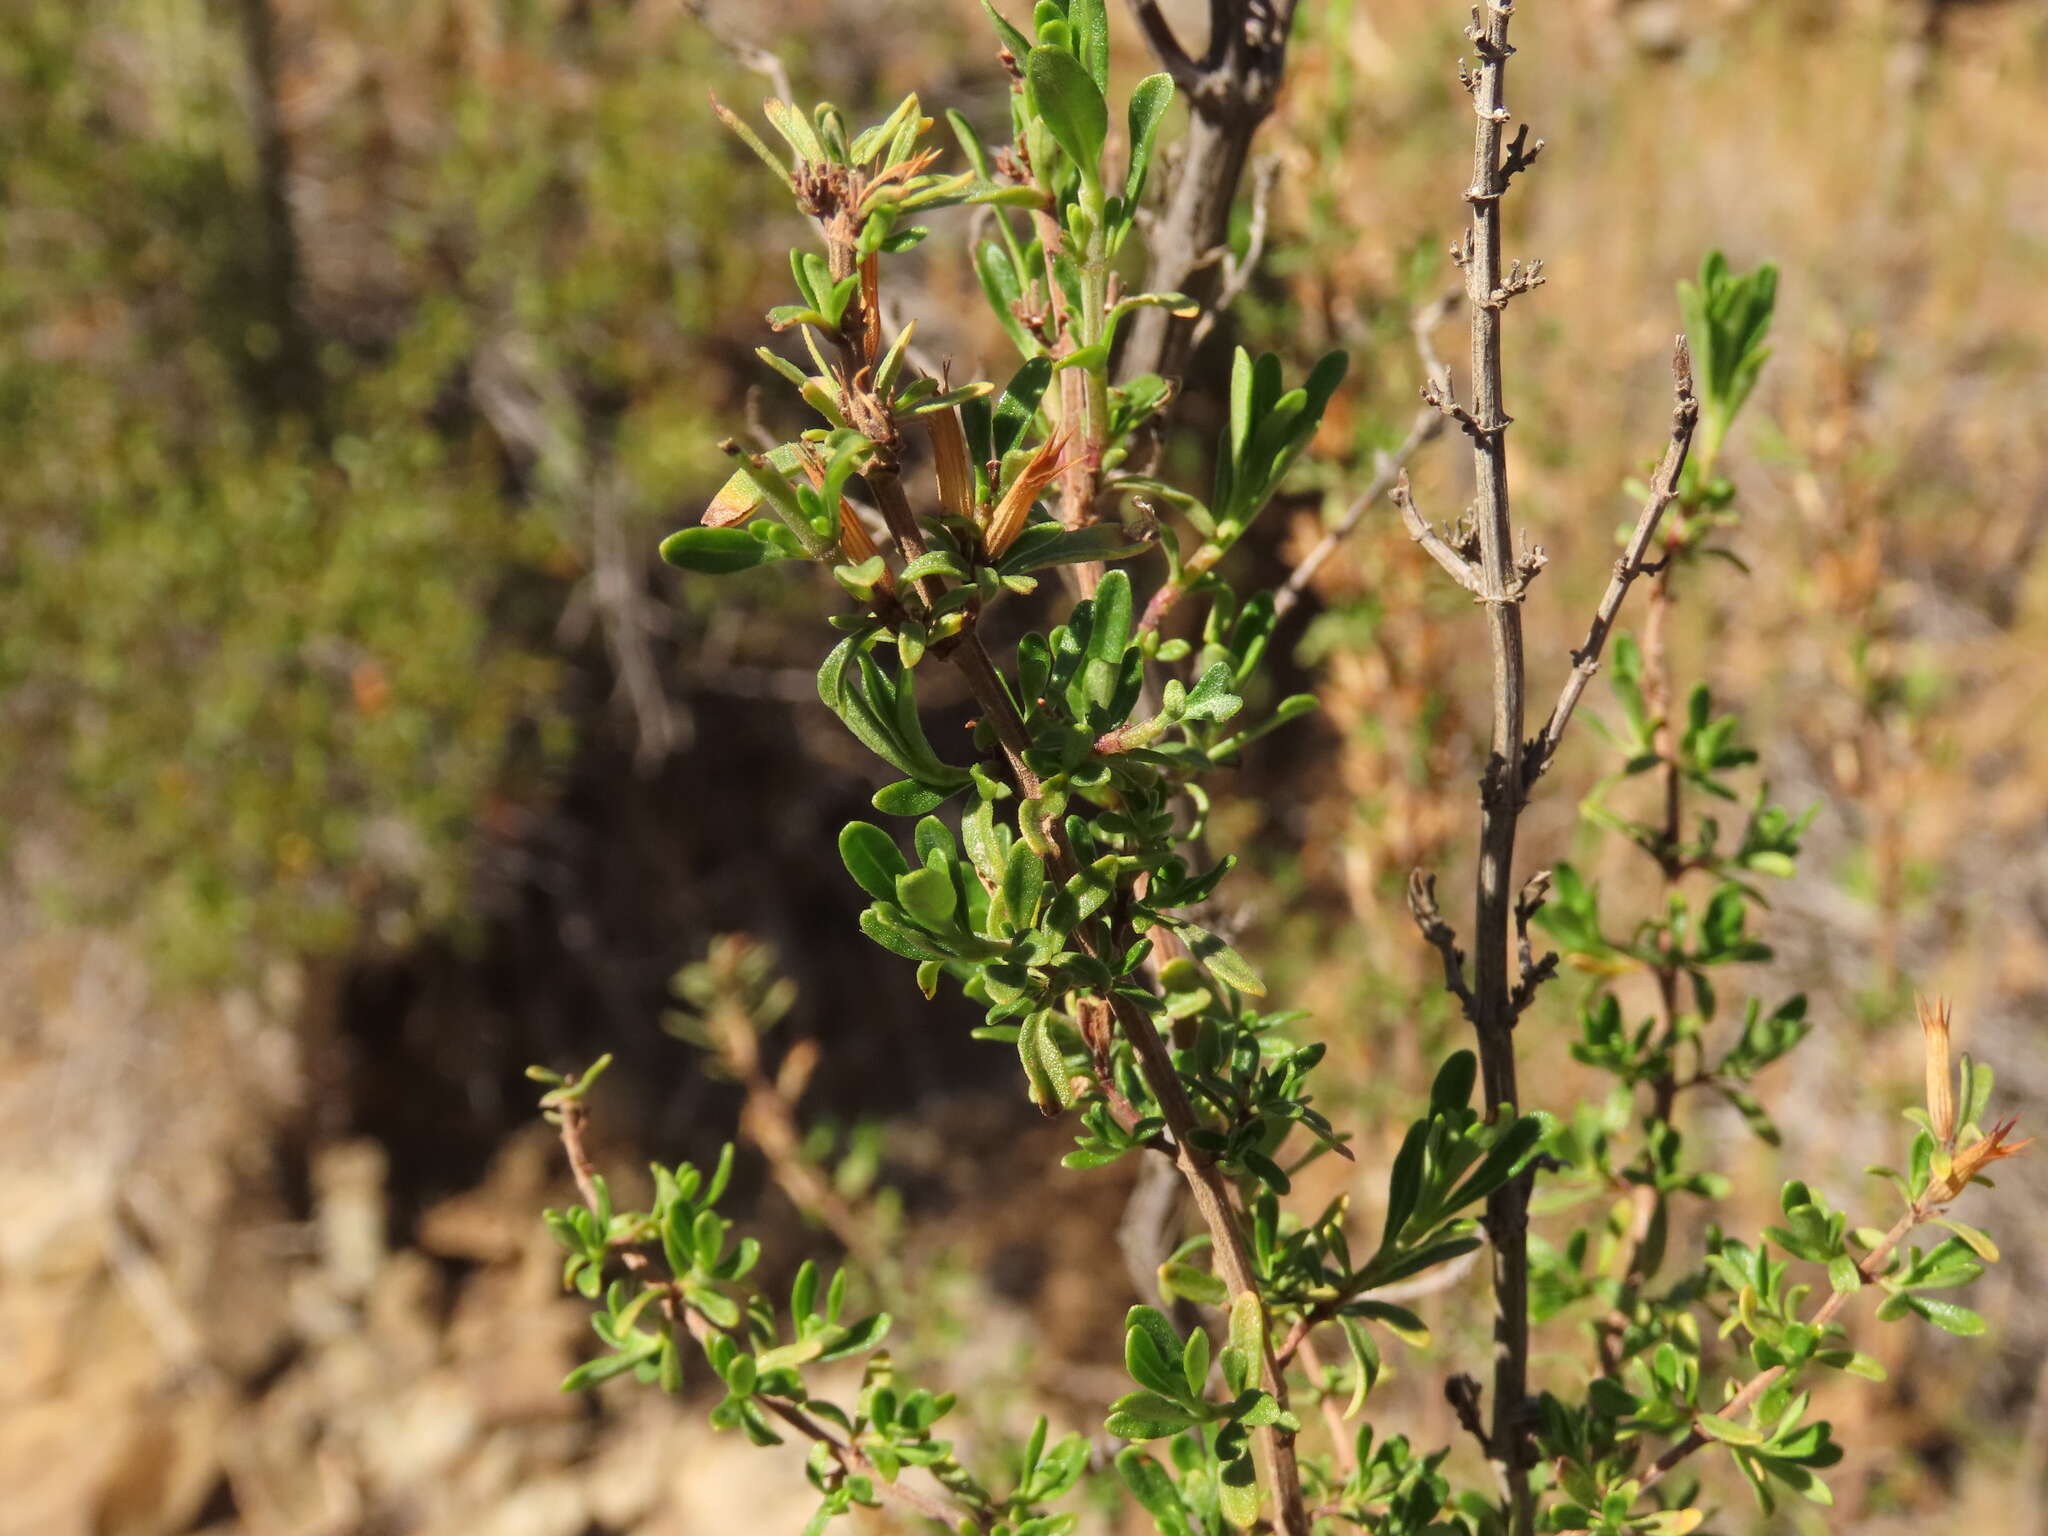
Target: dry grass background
(223, 1310)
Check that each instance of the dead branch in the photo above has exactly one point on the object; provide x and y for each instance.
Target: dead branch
(1685, 415)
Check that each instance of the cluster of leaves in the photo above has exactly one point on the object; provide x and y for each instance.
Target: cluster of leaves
(1055, 885)
(1064, 894)
(669, 1282)
(1173, 1401)
(1450, 1160)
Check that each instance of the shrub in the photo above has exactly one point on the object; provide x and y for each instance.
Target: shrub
(1068, 892)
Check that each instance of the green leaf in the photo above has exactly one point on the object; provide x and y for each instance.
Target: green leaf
(1150, 1364)
(1499, 1163)
(1018, 404)
(793, 126)
(1404, 1183)
(1211, 698)
(1110, 632)
(1854, 1363)
(1949, 1317)
(856, 1338)
(928, 895)
(1158, 1329)
(1192, 1284)
(907, 797)
(1045, 1065)
(1149, 100)
(1023, 884)
(1237, 1492)
(1152, 1488)
(1452, 1089)
(872, 858)
(1146, 1416)
(1397, 1320)
(1267, 1171)
(970, 143)
(1090, 21)
(1248, 1329)
(897, 939)
(1261, 1411)
(1194, 1361)
(1071, 105)
(1224, 963)
(1003, 290)
(1018, 44)
(593, 1372)
(1979, 1240)
(1727, 1431)
(717, 551)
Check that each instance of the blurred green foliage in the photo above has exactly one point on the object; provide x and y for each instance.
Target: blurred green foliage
(317, 328)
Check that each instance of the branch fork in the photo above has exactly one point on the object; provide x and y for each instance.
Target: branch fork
(1521, 154)
(1439, 548)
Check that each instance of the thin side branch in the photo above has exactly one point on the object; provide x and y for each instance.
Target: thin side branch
(853, 1459)
(1426, 427)
(1238, 270)
(1685, 415)
(1439, 935)
(1342, 1441)
(1166, 48)
(1464, 1394)
(1521, 155)
(1439, 549)
(1430, 1282)
(1534, 972)
(761, 60)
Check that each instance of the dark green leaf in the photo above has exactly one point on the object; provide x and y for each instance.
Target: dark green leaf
(1071, 105)
(717, 551)
(872, 858)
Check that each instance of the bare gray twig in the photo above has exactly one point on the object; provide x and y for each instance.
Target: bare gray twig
(1504, 578)
(1426, 427)
(1439, 934)
(1685, 415)
(1238, 270)
(761, 60)
(1439, 549)
(1535, 972)
(533, 412)
(1166, 48)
